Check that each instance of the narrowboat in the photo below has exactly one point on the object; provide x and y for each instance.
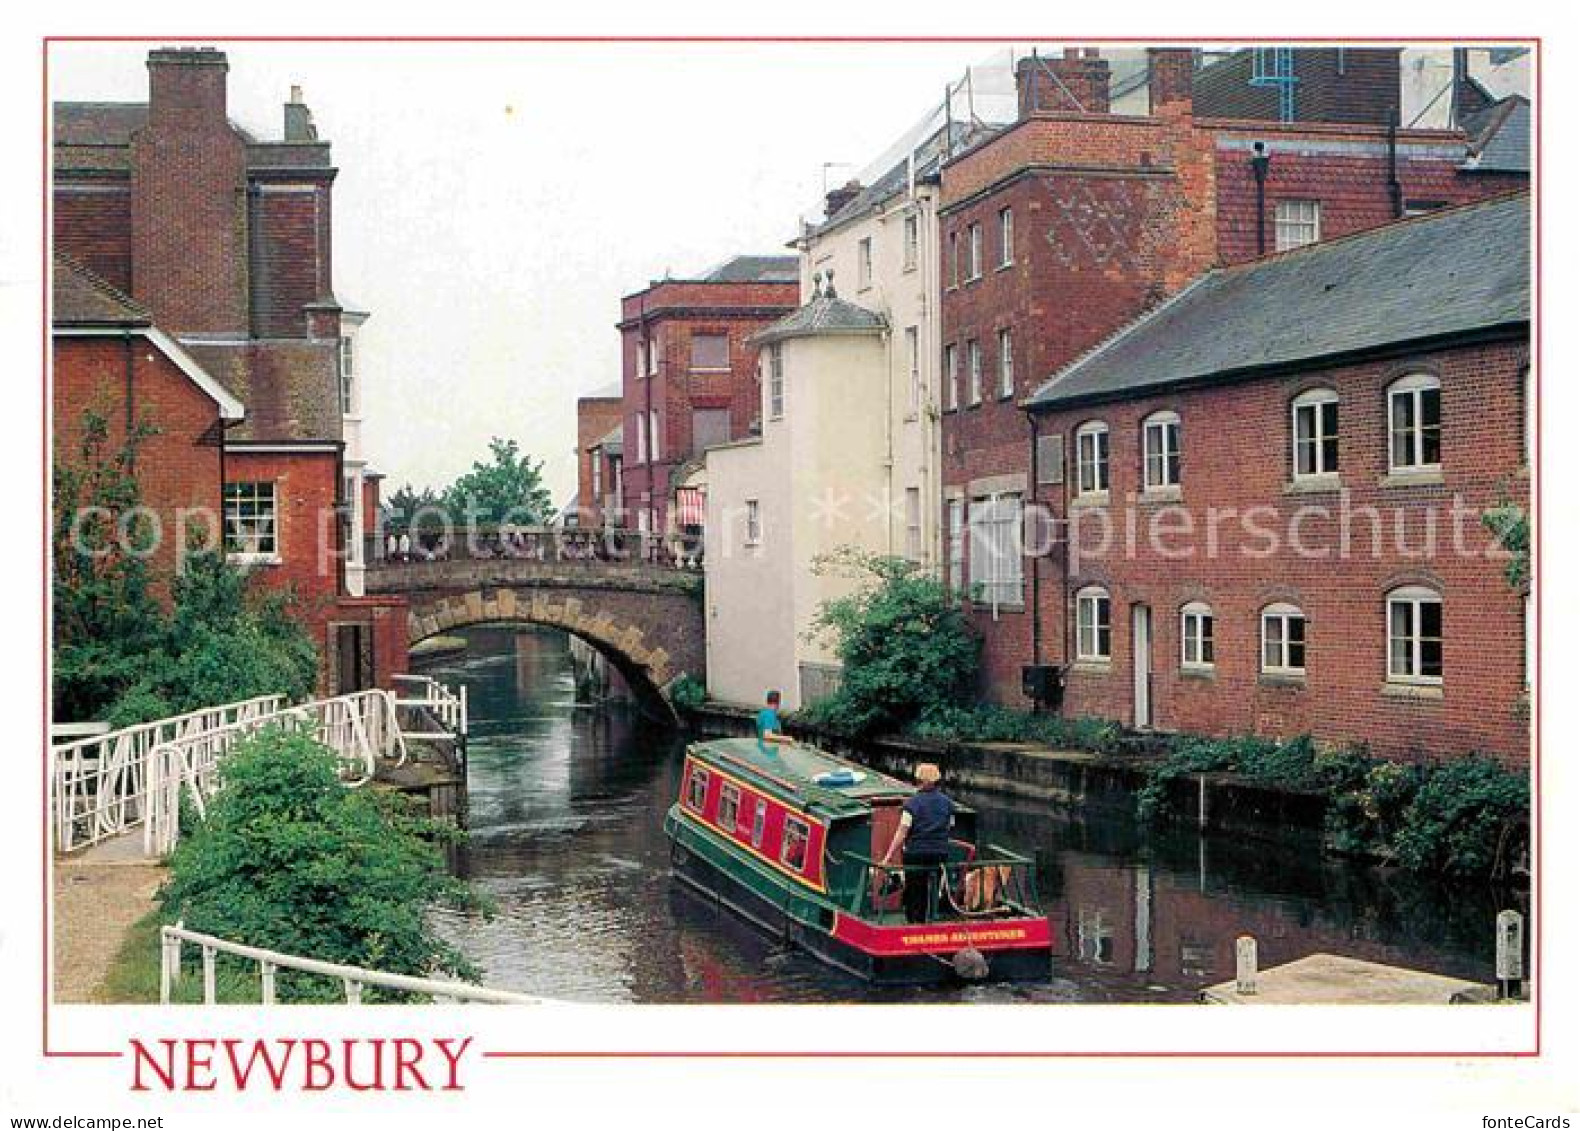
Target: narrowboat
(790, 837)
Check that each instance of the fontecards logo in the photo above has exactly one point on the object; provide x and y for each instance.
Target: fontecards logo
(306, 1064)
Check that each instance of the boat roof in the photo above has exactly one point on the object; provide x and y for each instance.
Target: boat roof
(793, 770)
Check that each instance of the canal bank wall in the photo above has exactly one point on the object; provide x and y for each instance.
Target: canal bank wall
(1216, 804)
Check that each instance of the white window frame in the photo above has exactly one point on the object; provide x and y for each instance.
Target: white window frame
(1314, 404)
(1006, 237)
(754, 523)
(1091, 454)
(730, 794)
(913, 352)
(759, 822)
(698, 782)
(994, 526)
(652, 435)
(864, 263)
(640, 427)
(774, 358)
(974, 252)
(974, 371)
(1160, 444)
(1412, 389)
(951, 377)
(954, 259)
(1006, 363)
(255, 537)
(911, 235)
(1197, 651)
(1282, 613)
(913, 523)
(1094, 625)
(1296, 223)
(1413, 598)
(957, 544)
(806, 843)
(651, 350)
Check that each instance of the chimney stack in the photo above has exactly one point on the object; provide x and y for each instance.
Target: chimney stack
(186, 86)
(299, 119)
(838, 198)
(1170, 74)
(1076, 82)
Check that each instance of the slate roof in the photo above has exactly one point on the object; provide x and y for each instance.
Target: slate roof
(1500, 137)
(756, 269)
(82, 298)
(930, 155)
(825, 314)
(108, 123)
(614, 443)
(1450, 272)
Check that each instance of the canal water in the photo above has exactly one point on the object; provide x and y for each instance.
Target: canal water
(567, 804)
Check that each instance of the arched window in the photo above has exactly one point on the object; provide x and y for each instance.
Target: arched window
(1316, 434)
(1415, 423)
(1283, 640)
(1093, 625)
(1415, 635)
(1160, 445)
(1196, 636)
(1091, 458)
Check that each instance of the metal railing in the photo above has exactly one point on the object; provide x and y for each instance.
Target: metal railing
(353, 978)
(993, 883)
(447, 706)
(99, 784)
(361, 729)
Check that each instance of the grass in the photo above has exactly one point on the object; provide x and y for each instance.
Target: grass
(133, 977)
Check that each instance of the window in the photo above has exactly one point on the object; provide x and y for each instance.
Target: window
(913, 233)
(652, 434)
(951, 379)
(864, 264)
(597, 474)
(913, 354)
(729, 806)
(1094, 634)
(251, 529)
(1415, 635)
(347, 367)
(974, 249)
(759, 822)
(974, 370)
(710, 351)
(1091, 459)
(793, 854)
(640, 428)
(709, 426)
(1006, 364)
(913, 523)
(957, 544)
(1160, 435)
(1283, 640)
(995, 549)
(650, 348)
(1415, 423)
(1196, 635)
(697, 789)
(1421, 207)
(954, 259)
(1296, 223)
(754, 523)
(776, 382)
(1006, 237)
(1316, 433)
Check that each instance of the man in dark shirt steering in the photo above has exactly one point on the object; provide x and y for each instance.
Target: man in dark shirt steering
(923, 834)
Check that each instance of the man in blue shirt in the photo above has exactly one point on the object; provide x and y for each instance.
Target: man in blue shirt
(923, 834)
(769, 728)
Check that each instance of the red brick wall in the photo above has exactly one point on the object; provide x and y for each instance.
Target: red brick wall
(93, 224)
(1236, 454)
(306, 486)
(179, 467)
(287, 268)
(596, 417)
(1344, 168)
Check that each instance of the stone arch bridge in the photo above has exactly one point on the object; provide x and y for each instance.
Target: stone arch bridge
(647, 620)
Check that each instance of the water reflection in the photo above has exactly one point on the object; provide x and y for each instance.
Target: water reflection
(567, 804)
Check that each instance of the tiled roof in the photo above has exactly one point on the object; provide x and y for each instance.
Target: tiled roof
(825, 314)
(614, 443)
(1500, 137)
(81, 298)
(756, 269)
(107, 123)
(291, 388)
(1451, 272)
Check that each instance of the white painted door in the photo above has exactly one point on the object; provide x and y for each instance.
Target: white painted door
(1141, 659)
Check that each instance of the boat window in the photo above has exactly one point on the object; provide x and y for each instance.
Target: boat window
(759, 820)
(729, 806)
(697, 790)
(794, 852)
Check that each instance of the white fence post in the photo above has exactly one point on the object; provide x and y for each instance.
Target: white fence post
(266, 976)
(1245, 965)
(1510, 963)
(208, 975)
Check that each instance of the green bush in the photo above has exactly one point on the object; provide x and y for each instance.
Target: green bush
(1468, 818)
(291, 859)
(991, 723)
(688, 693)
(903, 641)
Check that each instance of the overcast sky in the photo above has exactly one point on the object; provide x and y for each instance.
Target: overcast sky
(494, 201)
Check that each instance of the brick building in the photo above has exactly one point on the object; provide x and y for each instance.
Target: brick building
(1348, 412)
(598, 454)
(224, 241)
(689, 376)
(1069, 224)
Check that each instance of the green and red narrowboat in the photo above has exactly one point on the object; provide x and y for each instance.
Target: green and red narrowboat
(790, 837)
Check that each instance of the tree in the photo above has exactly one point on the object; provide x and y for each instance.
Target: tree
(903, 640)
(290, 858)
(507, 490)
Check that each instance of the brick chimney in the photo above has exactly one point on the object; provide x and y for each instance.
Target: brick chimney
(1170, 74)
(1076, 82)
(189, 198)
(838, 198)
(299, 119)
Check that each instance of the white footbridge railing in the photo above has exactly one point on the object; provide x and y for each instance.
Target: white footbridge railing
(99, 785)
(425, 692)
(353, 978)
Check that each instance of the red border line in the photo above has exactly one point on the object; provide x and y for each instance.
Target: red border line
(1006, 40)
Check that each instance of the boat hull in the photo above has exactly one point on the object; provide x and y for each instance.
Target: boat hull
(1018, 949)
